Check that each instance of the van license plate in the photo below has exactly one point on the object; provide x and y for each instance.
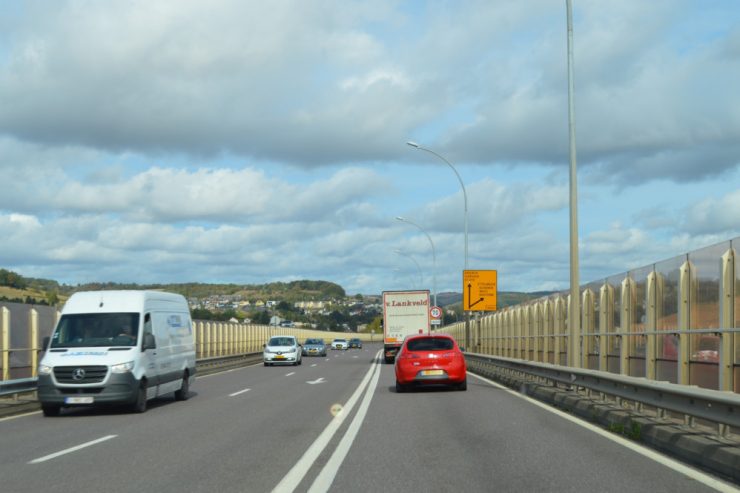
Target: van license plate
(79, 400)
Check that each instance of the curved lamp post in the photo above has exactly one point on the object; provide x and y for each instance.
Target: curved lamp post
(434, 255)
(421, 276)
(465, 194)
(465, 197)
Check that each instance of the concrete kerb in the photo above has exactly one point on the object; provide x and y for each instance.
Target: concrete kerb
(709, 451)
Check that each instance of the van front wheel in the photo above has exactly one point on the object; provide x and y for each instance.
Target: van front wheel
(184, 392)
(139, 405)
(50, 410)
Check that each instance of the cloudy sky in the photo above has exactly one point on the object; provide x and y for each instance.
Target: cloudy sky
(155, 141)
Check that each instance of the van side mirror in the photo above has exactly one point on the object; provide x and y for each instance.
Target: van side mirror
(149, 342)
(45, 343)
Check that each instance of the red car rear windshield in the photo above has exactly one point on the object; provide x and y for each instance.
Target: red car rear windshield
(430, 344)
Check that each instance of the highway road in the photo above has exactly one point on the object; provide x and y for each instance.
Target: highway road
(331, 424)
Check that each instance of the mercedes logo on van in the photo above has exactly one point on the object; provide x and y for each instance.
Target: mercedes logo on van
(78, 374)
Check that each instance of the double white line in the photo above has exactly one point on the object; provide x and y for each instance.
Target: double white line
(323, 481)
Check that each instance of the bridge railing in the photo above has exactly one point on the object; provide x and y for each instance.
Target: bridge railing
(226, 338)
(675, 321)
(662, 398)
(23, 328)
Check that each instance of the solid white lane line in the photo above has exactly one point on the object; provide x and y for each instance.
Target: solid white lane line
(659, 458)
(240, 392)
(8, 418)
(289, 374)
(70, 450)
(299, 470)
(324, 480)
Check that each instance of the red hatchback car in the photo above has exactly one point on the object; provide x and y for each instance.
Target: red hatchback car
(430, 360)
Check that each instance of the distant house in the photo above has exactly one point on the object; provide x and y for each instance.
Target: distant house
(310, 305)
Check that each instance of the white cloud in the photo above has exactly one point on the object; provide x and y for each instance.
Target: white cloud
(376, 77)
(24, 220)
(252, 141)
(714, 214)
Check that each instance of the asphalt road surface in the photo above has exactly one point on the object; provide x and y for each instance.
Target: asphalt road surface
(330, 424)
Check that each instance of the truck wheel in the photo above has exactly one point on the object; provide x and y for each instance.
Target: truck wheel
(139, 405)
(50, 410)
(184, 392)
(388, 360)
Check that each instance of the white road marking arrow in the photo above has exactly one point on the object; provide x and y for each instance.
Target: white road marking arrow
(314, 382)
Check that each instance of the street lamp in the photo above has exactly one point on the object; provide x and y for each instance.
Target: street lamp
(434, 255)
(465, 197)
(421, 276)
(465, 194)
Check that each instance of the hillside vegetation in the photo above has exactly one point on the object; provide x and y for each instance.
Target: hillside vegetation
(14, 287)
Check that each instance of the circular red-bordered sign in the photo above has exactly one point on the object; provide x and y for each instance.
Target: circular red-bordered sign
(435, 312)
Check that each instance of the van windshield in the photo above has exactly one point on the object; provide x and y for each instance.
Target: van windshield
(96, 330)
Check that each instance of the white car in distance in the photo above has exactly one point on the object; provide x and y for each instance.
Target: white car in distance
(282, 350)
(340, 344)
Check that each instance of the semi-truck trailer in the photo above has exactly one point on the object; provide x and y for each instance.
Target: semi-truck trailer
(404, 313)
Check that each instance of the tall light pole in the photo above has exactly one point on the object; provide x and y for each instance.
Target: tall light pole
(465, 194)
(574, 346)
(465, 198)
(421, 276)
(434, 255)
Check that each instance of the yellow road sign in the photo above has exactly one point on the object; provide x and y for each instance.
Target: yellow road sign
(479, 290)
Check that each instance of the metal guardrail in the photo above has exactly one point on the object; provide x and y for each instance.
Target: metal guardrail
(722, 408)
(17, 386)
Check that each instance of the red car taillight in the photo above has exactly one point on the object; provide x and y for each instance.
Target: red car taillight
(409, 356)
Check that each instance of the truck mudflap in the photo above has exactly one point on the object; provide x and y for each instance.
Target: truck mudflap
(390, 353)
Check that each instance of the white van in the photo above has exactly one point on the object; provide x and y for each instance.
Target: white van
(118, 347)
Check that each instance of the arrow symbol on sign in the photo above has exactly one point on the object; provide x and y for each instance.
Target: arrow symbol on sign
(470, 289)
(314, 382)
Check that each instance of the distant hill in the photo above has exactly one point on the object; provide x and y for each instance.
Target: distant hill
(279, 291)
(16, 286)
(19, 287)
